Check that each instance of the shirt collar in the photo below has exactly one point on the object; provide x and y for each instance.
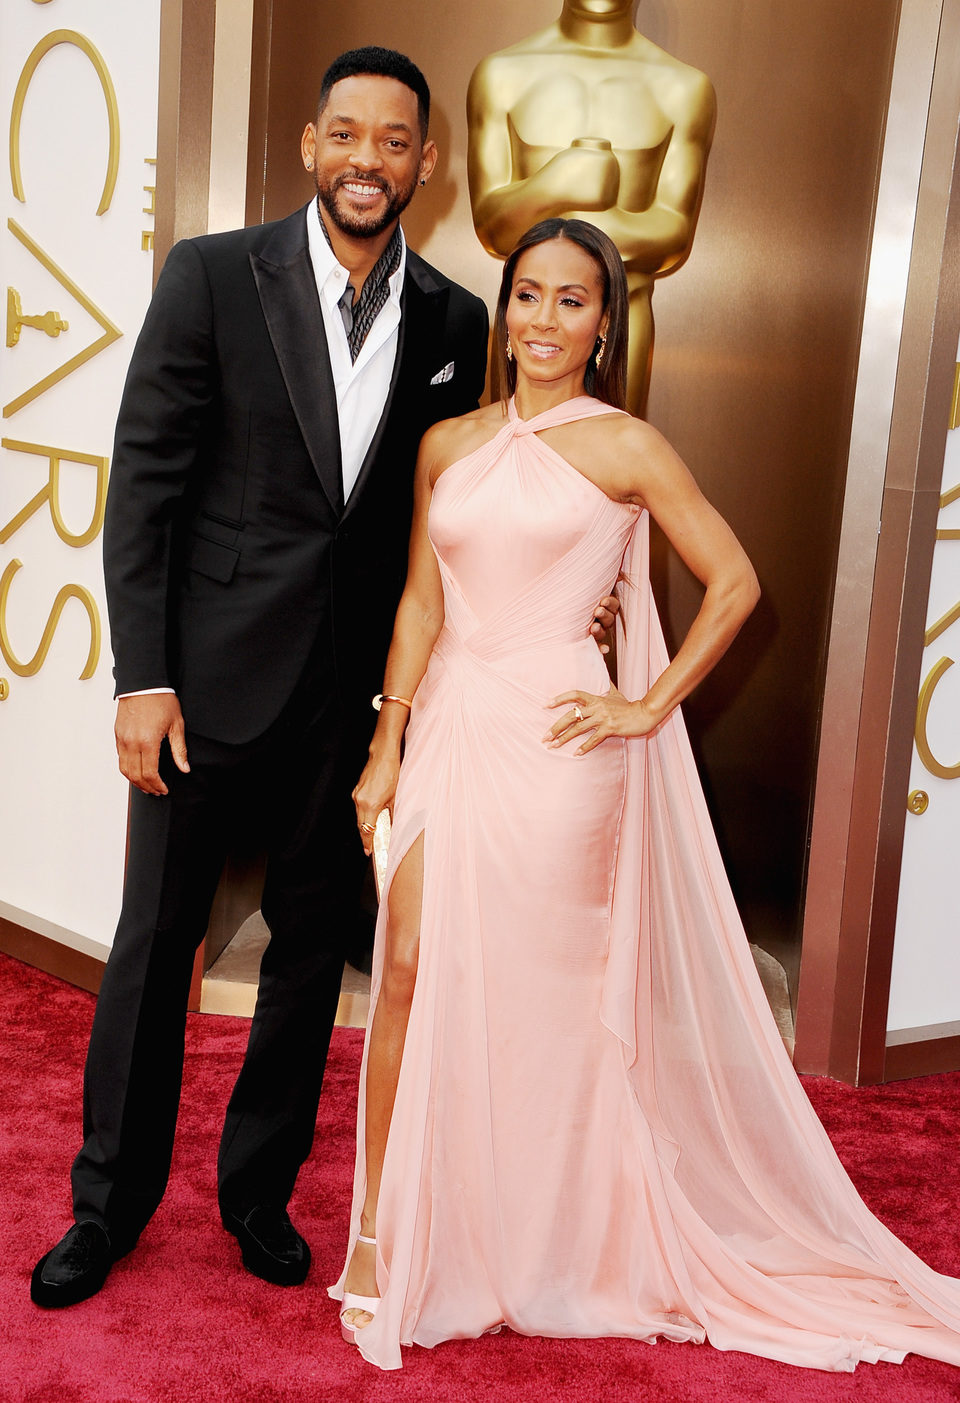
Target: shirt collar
(325, 262)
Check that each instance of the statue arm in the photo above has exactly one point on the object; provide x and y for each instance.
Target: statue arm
(504, 207)
(657, 239)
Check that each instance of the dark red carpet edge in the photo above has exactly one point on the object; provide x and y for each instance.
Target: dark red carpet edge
(180, 1322)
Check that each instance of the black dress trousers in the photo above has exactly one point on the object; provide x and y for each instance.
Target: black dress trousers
(291, 787)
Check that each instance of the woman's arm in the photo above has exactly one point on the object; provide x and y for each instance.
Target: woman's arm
(654, 476)
(418, 623)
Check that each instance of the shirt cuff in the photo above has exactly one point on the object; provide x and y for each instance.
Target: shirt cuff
(148, 692)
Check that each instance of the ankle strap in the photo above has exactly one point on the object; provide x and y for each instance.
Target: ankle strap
(371, 1240)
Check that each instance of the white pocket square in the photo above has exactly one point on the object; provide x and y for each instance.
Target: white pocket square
(442, 376)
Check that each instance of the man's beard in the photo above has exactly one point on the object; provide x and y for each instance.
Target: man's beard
(363, 224)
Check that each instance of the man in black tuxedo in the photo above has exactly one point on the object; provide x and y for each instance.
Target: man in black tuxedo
(255, 550)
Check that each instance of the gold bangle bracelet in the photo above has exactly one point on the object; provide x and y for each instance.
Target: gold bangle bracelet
(381, 697)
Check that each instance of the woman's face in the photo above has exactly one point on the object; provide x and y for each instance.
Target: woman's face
(555, 312)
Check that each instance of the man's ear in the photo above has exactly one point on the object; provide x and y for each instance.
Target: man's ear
(308, 146)
(428, 159)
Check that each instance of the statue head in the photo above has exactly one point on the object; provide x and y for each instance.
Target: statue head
(597, 11)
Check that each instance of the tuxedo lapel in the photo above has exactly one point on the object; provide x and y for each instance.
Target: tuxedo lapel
(291, 308)
(422, 303)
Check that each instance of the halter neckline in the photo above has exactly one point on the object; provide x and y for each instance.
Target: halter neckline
(577, 407)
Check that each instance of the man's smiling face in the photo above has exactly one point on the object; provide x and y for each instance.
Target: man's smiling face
(368, 153)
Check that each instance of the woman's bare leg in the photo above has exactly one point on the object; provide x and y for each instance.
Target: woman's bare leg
(387, 1037)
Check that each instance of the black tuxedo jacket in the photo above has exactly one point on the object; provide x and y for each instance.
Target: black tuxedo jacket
(228, 550)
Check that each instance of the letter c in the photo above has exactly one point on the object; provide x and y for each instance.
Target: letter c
(48, 42)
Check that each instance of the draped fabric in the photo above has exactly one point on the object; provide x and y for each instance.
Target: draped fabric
(597, 1130)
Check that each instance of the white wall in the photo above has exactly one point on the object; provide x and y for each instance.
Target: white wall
(925, 982)
(62, 802)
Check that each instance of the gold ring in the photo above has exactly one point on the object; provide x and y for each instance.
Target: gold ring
(578, 712)
(368, 828)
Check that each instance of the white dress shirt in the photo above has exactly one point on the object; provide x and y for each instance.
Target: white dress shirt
(362, 385)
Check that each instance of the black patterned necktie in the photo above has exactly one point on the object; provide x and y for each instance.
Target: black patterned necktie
(360, 315)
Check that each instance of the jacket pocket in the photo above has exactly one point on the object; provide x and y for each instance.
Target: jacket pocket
(213, 559)
(217, 528)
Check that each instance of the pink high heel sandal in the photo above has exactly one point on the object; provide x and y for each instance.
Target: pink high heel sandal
(351, 1301)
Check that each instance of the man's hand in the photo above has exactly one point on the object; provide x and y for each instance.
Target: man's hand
(603, 619)
(142, 724)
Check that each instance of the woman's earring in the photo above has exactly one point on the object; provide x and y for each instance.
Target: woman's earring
(603, 347)
(509, 348)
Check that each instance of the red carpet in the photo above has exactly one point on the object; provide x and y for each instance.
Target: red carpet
(180, 1322)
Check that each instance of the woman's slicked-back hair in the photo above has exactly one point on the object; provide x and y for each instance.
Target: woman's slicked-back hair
(609, 383)
(376, 62)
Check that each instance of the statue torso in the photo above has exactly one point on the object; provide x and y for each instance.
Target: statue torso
(569, 97)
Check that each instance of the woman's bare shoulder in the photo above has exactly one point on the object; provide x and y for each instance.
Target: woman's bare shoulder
(452, 439)
(619, 453)
(628, 446)
(625, 431)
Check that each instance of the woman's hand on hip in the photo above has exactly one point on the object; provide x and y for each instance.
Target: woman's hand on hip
(596, 718)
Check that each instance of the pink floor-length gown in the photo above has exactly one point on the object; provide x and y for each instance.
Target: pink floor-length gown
(597, 1130)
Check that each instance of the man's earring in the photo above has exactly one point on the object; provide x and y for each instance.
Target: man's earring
(603, 347)
(509, 348)
(309, 165)
(422, 181)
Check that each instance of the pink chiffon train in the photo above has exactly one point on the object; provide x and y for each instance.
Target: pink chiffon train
(597, 1130)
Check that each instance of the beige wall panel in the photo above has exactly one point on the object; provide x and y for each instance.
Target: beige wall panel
(757, 336)
(754, 370)
(899, 427)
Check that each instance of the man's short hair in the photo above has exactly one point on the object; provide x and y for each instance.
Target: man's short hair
(376, 62)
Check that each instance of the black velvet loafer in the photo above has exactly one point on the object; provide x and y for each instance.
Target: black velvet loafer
(73, 1270)
(270, 1245)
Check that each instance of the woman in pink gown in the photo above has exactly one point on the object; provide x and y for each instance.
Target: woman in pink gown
(577, 1117)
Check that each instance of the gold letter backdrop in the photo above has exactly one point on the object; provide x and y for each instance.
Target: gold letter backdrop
(926, 914)
(77, 256)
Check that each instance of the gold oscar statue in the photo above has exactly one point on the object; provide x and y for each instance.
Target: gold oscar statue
(589, 119)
